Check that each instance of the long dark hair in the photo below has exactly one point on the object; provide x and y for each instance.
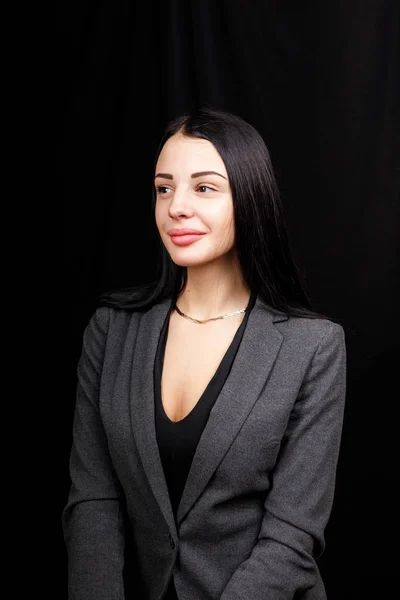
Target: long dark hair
(261, 240)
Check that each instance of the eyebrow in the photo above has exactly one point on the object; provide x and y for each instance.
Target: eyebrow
(193, 175)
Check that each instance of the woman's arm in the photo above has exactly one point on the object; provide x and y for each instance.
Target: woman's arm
(92, 520)
(299, 503)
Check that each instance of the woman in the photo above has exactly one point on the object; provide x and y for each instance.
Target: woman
(210, 404)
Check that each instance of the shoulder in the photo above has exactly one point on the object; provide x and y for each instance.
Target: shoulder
(114, 321)
(315, 348)
(313, 328)
(306, 334)
(105, 320)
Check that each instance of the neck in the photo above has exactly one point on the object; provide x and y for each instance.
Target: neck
(212, 291)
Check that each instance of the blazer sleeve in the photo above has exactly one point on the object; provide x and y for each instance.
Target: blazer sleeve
(299, 503)
(92, 519)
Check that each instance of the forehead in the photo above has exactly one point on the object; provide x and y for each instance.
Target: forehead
(181, 153)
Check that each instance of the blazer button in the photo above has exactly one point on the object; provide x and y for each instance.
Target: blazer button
(171, 541)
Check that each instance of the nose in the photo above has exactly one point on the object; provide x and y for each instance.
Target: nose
(180, 204)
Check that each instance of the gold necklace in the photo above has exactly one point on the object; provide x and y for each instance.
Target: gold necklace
(237, 312)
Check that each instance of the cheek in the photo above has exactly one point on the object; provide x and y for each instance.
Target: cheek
(158, 215)
(226, 225)
(223, 237)
(221, 215)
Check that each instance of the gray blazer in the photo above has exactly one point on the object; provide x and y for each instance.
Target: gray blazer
(250, 524)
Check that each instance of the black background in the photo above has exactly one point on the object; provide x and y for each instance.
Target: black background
(320, 81)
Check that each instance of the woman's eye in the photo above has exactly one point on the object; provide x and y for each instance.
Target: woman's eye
(205, 188)
(162, 189)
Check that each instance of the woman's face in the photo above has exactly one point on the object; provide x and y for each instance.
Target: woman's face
(193, 192)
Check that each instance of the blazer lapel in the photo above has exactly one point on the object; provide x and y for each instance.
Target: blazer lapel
(250, 371)
(142, 404)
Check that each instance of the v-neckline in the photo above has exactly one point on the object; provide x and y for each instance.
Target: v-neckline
(163, 342)
(205, 391)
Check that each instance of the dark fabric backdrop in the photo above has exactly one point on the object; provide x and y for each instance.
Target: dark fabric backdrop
(320, 81)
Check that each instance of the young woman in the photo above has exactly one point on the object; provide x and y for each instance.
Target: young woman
(209, 404)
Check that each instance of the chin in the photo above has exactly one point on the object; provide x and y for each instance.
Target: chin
(194, 261)
(189, 263)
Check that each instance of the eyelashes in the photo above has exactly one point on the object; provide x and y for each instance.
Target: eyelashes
(162, 190)
(207, 187)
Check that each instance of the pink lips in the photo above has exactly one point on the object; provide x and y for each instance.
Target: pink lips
(184, 240)
(184, 236)
(183, 231)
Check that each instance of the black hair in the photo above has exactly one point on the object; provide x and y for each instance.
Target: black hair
(261, 239)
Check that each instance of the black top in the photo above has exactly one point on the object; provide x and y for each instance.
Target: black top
(177, 441)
